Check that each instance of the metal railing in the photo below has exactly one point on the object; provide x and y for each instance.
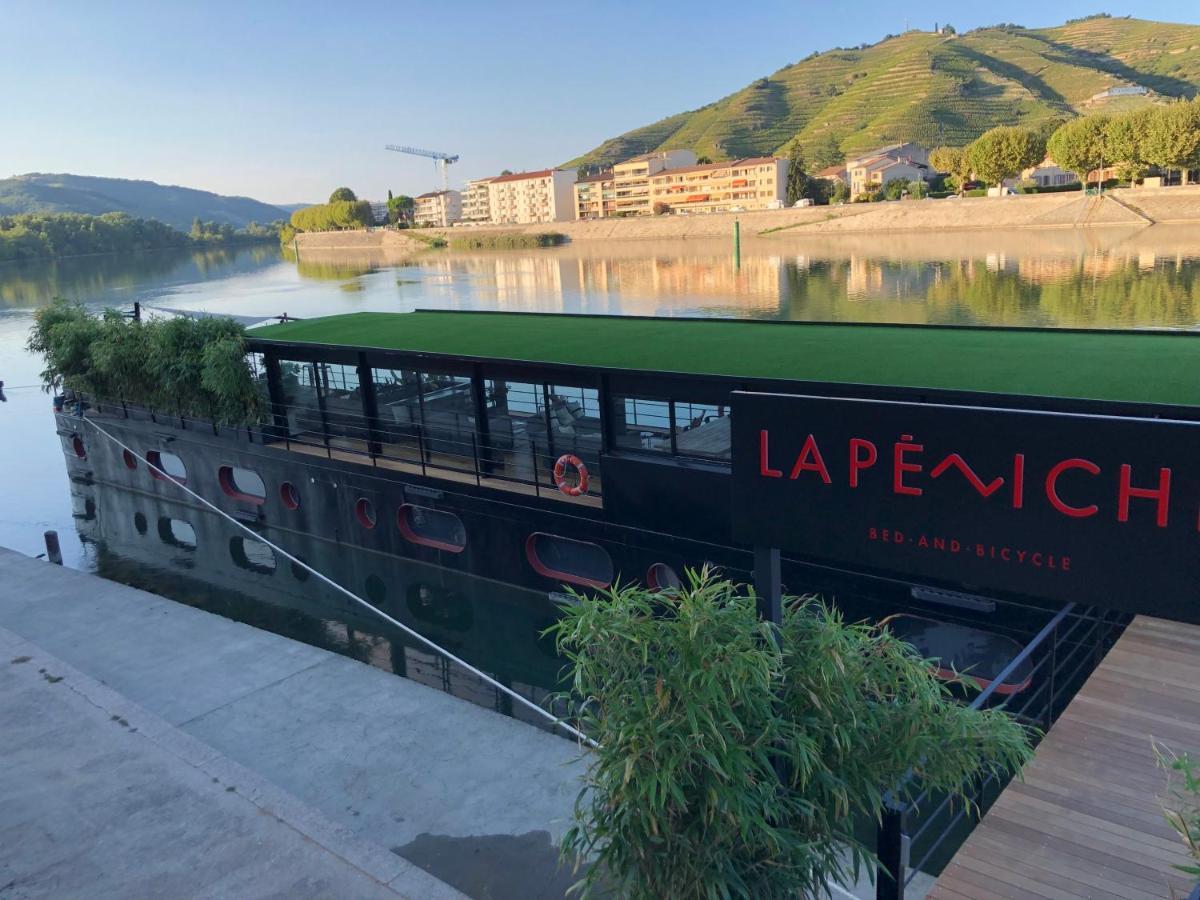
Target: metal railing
(455, 450)
(1068, 648)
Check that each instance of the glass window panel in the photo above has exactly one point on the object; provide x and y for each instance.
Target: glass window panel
(641, 423)
(702, 430)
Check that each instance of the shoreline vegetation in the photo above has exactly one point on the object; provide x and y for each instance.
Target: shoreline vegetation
(50, 236)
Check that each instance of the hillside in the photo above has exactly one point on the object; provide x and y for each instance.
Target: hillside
(177, 206)
(930, 88)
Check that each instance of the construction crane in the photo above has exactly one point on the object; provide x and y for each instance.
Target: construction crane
(440, 160)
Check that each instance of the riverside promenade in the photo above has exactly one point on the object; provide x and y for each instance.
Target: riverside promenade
(155, 750)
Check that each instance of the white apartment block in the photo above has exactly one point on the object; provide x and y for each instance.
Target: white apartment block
(531, 198)
(476, 202)
(439, 209)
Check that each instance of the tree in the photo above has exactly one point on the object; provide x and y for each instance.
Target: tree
(1125, 142)
(400, 210)
(506, 171)
(1173, 137)
(703, 161)
(730, 765)
(827, 152)
(342, 193)
(953, 161)
(796, 178)
(1005, 152)
(1078, 146)
(662, 209)
(895, 188)
(840, 192)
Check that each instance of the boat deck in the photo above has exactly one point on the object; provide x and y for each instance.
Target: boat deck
(1085, 821)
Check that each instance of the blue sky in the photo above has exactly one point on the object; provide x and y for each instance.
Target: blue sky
(285, 101)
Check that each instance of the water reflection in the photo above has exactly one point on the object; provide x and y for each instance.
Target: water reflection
(196, 557)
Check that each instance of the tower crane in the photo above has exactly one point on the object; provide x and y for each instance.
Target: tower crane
(440, 160)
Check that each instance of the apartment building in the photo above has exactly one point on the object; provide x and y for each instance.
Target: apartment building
(758, 182)
(625, 190)
(594, 198)
(438, 209)
(531, 198)
(476, 205)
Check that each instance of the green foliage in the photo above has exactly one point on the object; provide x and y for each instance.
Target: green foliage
(1172, 140)
(797, 180)
(334, 215)
(1181, 806)
(1005, 152)
(50, 235)
(342, 194)
(507, 240)
(1125, 142)
(191, 367)
(894, 188)
(954, 161)
(840, 192)
(1078, 146)
(400, 209)
(695, 707)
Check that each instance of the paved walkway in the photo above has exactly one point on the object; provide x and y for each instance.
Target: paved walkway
(159, 750)
(1085, 820)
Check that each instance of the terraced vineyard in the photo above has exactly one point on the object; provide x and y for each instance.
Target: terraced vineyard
(933, 89)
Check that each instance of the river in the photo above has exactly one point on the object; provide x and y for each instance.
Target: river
(1099, 278)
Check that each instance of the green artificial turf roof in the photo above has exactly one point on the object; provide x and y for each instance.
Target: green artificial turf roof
(1142, 368)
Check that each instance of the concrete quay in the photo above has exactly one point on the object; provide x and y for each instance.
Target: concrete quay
(155, 750)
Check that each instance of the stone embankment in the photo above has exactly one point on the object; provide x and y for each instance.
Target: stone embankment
(1126, 207)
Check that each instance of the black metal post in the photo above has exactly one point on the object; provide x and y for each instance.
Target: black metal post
(370, 406)
(768, 584)
(483, 428)
(889, 876)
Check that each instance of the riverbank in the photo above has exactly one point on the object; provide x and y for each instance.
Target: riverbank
(159, 741)
(1130, 208)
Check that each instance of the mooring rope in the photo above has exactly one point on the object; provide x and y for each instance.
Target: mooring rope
(570, 729)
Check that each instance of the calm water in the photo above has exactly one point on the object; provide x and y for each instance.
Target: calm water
(1106, 278)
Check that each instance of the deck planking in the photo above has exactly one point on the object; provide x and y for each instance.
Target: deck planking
(1085, 821)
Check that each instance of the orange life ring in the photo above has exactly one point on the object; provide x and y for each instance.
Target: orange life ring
(560, 475)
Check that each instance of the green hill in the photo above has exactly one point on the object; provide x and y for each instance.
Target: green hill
(177, 206)
(931, 88)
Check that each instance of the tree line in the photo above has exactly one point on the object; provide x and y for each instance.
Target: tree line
(1163, 137)
(47, 235)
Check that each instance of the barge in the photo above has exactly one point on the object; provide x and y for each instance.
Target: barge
(541, 450)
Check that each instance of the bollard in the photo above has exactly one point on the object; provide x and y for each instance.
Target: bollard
(737, 244)
(53, 551)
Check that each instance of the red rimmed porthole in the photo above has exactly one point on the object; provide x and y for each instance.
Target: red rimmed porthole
(661, 577)
(242, 484)
(432, 528)
(289, 496)
(574, 562)
(364, 511)
(129, 459)
(77, 446)
(163, 464)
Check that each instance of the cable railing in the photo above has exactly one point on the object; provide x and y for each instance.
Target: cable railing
(1068, 647)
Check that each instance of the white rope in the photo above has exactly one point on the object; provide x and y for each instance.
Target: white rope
(575, 732)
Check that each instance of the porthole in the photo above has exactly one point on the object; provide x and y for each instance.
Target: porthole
(575, 562)
(140, 523)
(177, 533)
(432, 528)
(77, 446)
(130, 459)
(163, 464)
(242, 484)
(289, 496)
(252, 555)
(364, 511)
(376, 590)
(661, 577)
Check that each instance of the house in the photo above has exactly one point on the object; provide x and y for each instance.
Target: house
(739, 185)
(871, 174)
(833, 174)
(476, 205)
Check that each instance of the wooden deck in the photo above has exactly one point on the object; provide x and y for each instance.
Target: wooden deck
(1085, 822)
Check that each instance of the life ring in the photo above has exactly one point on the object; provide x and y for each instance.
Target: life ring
(560, 475)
